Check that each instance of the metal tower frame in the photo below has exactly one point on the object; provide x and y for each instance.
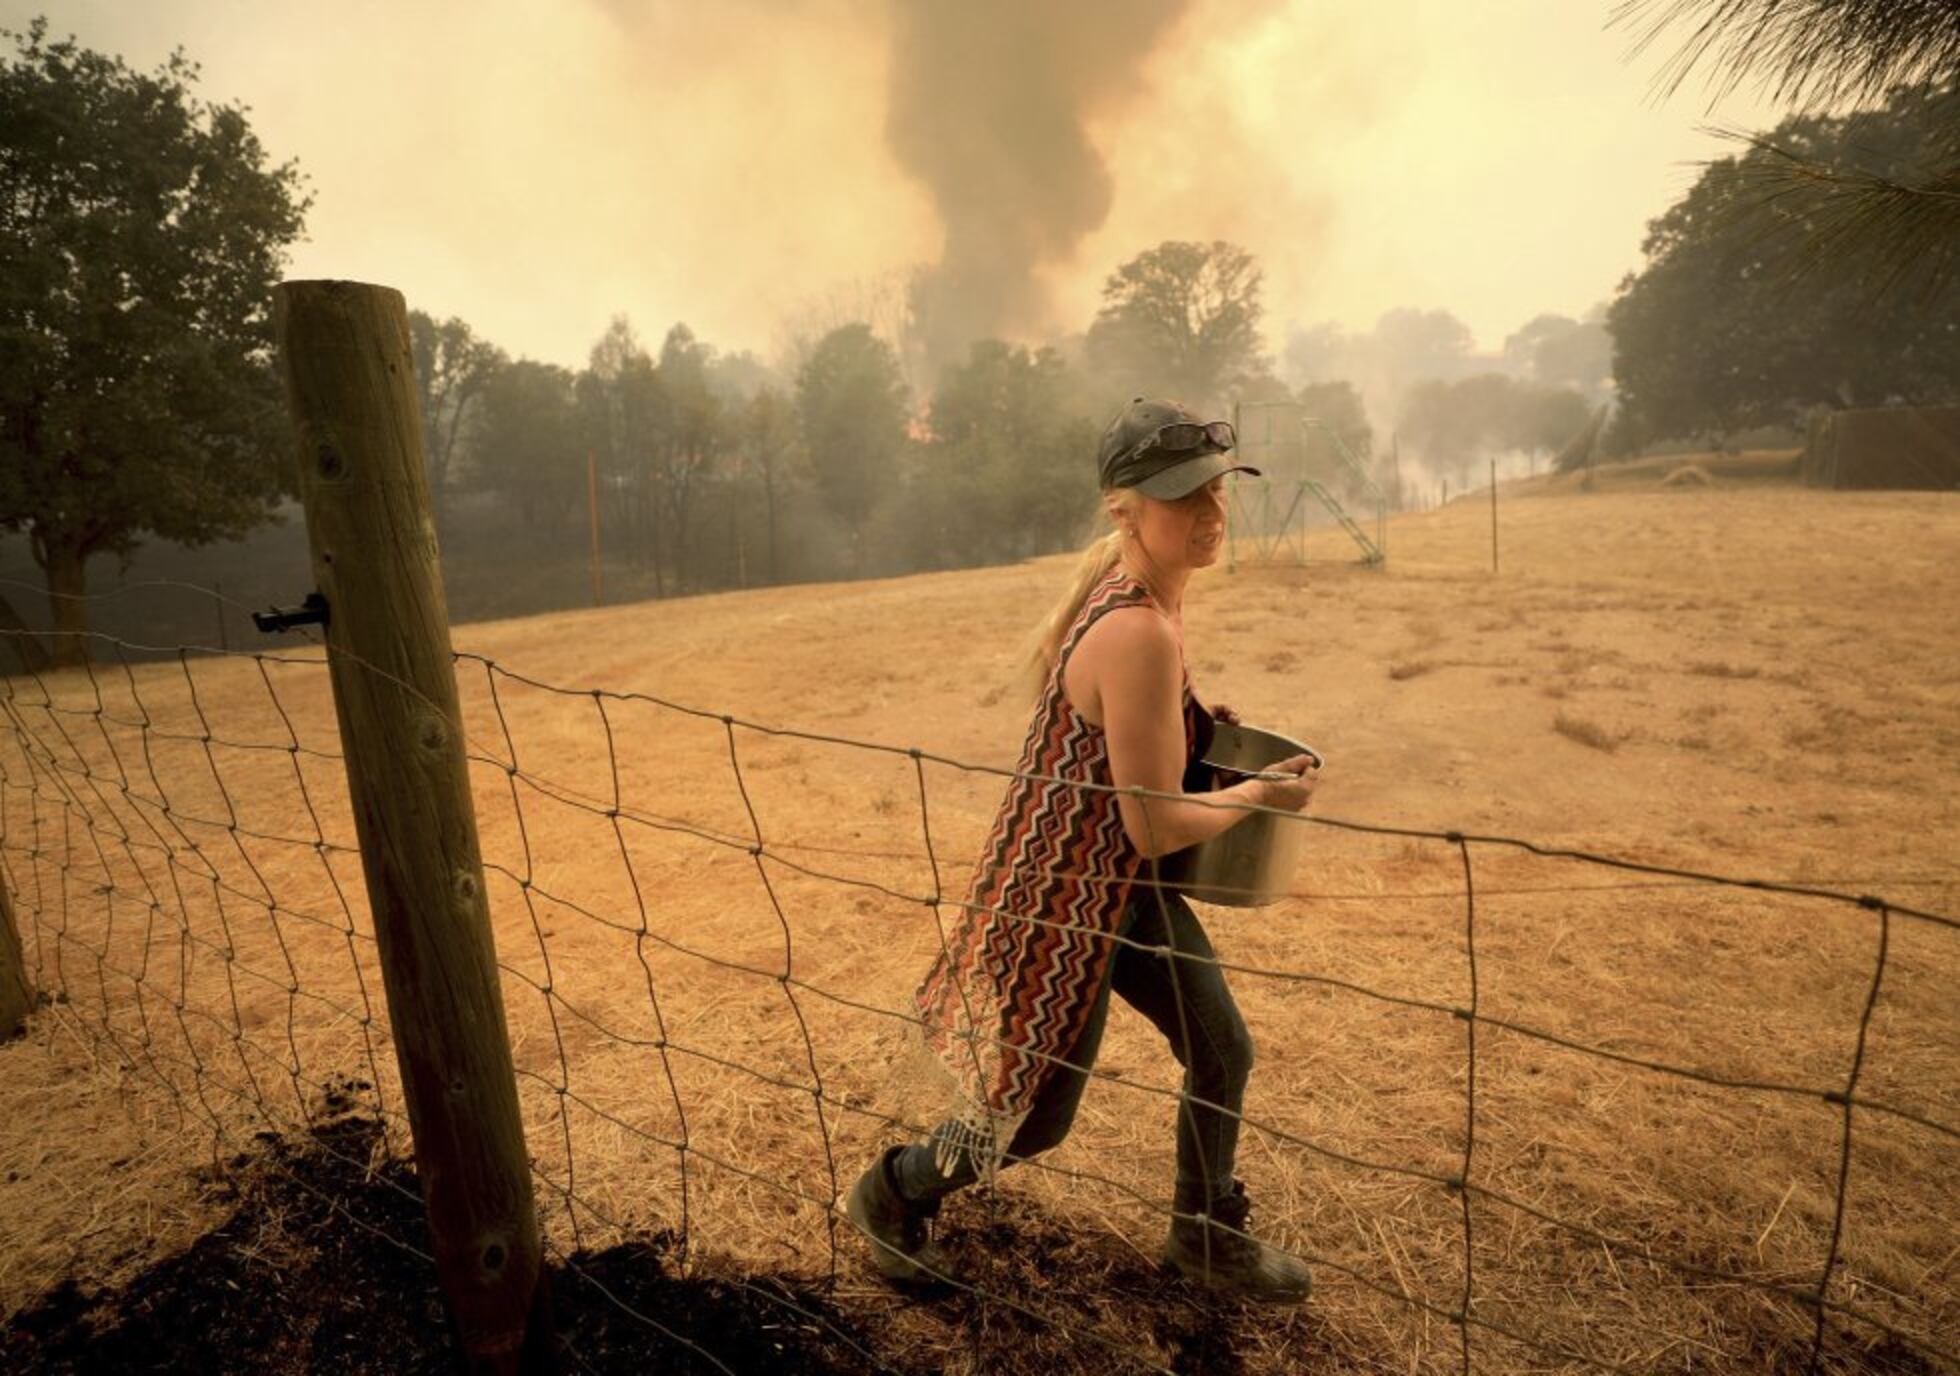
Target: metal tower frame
(1269, 538)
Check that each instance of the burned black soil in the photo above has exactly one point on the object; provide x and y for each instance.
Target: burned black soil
(311, 1272)
(319, 1266)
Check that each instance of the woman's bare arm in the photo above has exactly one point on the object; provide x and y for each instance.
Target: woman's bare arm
(1126, 676)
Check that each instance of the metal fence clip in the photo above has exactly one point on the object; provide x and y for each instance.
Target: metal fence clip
(312, 612)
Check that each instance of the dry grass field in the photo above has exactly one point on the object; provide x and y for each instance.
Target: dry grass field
(1730, 676)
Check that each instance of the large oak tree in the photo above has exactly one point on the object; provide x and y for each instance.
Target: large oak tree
(1179, 320)
(143, 231)
(1715, 335)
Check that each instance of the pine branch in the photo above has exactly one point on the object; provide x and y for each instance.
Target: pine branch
(1804, 52)
(1906, 231)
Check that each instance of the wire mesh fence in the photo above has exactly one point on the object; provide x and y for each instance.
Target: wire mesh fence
(1518, 1106)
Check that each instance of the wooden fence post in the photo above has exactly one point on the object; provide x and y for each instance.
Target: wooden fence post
(16, 994)
(350, 383)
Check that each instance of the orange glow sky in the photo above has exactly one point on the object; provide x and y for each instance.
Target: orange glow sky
(537, 168)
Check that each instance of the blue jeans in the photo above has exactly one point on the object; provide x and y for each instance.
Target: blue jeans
(1186, 998)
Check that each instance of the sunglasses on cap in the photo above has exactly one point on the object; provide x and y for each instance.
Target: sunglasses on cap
(1182, 435)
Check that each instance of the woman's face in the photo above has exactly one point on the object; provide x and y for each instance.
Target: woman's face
(1187, 533)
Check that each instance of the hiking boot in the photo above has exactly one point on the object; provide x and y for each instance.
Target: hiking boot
(898, 1229)
(1213, 1252)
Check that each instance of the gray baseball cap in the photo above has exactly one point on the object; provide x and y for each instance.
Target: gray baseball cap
(1165, 451)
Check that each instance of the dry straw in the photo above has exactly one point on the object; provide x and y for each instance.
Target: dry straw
(1521, 1107)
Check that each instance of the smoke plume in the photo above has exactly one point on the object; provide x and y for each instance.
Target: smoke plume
(989, 108)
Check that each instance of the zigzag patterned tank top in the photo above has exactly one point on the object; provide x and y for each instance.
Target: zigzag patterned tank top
(1022, 966)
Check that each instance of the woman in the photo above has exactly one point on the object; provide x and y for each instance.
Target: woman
(1013, 1009)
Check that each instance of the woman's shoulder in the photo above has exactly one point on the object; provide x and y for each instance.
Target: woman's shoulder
(1133, 633)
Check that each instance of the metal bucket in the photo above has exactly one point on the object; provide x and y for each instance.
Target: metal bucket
(1251, 863)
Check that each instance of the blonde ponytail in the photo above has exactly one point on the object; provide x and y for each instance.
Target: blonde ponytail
(1096, 561)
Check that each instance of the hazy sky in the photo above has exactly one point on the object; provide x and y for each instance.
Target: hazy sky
(537, 167)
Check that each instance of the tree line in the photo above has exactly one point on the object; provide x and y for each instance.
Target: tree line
(707, 469)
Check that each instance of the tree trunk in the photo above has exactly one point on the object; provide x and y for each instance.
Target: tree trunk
(680, 503)
(769, 503)
(653, 545)
(63, 560)
(27, 647)
(438, 497)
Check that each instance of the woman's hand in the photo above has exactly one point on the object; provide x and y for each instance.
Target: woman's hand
(1294, 790)
(1220, 712)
